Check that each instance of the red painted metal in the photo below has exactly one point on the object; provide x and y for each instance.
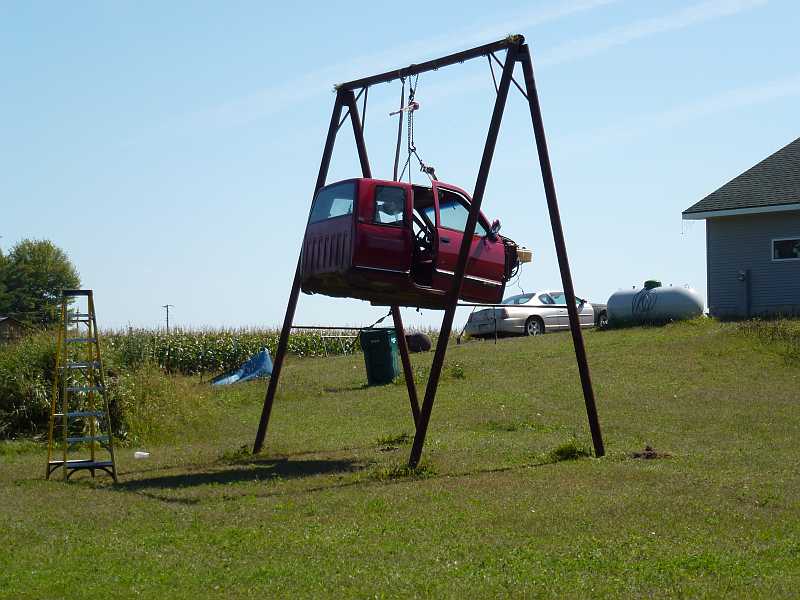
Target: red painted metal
(351, 255)
(379, 246)
(485, 275)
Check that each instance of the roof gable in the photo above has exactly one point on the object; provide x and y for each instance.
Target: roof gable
(773, 182)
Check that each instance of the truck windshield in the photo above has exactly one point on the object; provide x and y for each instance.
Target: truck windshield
(333, 201)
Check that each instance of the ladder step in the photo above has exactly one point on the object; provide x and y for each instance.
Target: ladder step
(86, 364)
(77, 316)
(87, 438)
(72, 293)
(81, 340)
(79, 414)
(85, 388)
(82, 463)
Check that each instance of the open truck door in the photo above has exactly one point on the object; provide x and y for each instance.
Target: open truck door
(484, 278)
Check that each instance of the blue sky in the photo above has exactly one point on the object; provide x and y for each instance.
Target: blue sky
(171, 148)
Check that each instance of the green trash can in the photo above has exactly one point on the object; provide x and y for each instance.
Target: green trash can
(381, 355)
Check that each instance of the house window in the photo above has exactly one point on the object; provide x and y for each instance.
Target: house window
(390, 204)
(786, 249)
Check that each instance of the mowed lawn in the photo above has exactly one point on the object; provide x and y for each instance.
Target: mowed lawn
(327, 510)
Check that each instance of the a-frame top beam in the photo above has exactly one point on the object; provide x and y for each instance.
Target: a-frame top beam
(436, 63)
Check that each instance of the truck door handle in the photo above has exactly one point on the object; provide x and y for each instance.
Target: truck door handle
(445, 240)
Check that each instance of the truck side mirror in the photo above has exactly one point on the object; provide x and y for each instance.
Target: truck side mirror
(495, 229)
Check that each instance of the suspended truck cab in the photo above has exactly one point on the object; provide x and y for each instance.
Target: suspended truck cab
(394, 243)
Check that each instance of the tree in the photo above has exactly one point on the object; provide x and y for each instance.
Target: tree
(34, 273)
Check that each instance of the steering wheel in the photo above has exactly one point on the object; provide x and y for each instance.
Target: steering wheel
(423, 238)
(424, 241)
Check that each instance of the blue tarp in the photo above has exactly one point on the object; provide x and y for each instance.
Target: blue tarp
(259, 365)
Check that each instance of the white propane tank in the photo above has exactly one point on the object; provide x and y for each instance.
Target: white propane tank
(654, 303)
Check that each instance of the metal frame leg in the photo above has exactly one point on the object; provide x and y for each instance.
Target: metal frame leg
(408, 372)
(458, 277)
(561, 250)
(283, 342)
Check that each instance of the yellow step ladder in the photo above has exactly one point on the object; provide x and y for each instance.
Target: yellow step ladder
(79, 415)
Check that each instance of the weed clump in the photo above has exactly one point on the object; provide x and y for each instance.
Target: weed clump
(393, 442)
(239, 454)
(456, 371)
(572, 449)
(422, 471)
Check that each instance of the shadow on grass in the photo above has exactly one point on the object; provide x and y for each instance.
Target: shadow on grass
(257, 470)
(335, 389)
(172, 488)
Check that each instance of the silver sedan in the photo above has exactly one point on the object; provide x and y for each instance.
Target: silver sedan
(529, 314)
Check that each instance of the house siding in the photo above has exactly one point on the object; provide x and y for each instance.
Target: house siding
(743, 244)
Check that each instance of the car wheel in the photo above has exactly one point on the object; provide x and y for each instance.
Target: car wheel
(534, 326)
(602, 320)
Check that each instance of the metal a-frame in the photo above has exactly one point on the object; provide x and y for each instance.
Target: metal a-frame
(517, 51)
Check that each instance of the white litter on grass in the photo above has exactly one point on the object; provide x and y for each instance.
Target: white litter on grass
(138, 454)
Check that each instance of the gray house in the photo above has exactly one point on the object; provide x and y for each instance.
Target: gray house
(753, 239)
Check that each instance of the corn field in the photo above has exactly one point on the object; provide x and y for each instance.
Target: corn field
(214, 351)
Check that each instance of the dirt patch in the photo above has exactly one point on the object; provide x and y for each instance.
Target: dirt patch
(650, 453)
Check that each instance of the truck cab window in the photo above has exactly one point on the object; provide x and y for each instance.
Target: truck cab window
(333, 201)
(390, 205)
(454, 211)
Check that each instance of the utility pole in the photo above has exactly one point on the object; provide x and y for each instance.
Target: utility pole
(168, 306)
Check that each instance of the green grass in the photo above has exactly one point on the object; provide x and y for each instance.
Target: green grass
(136, 361)
(506, 503)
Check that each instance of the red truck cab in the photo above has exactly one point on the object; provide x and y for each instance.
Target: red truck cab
(394, 243)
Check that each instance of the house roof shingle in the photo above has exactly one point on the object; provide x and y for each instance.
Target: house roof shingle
(774, 181)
